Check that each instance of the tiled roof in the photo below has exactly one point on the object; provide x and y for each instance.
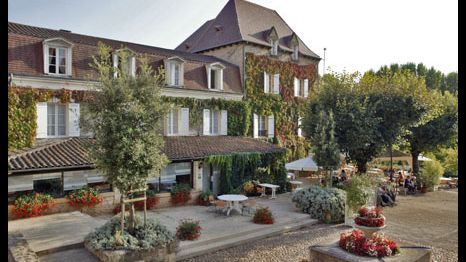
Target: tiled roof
(242, 21)
(56, 154)
(25, 57)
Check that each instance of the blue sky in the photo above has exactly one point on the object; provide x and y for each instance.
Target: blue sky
(359, 35)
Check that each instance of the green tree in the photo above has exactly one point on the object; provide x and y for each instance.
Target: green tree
(125, 115)
(451, 83)
(451, 161)
(326, 152)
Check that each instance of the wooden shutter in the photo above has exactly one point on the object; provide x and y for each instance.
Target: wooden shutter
(133, 66)
(306, 87)
(41, 120)
(115, 65)
(276, 83)
(73, 119)
(207, 68)
(296, 86)
(206, 122)
(224, 123)
(255, 126)
(299, 127)
(266, 83)
(166, 64)
(271, 126)
(184, 131)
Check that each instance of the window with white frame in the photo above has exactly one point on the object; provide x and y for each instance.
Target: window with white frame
(57, 57)
(56, 117)
(263, 126)
(271, 83)
(172, 122)
(214, 122)
(174, 71)
(295, 54)
(128, 66)
(274, 48)
(215, 76)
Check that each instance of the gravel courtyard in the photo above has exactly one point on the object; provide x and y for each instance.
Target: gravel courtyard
(429, 219)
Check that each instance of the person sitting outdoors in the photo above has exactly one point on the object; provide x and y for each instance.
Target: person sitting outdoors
(343, 175)
(400, 179)
(392, 175)
(386, 200)
(410, 185)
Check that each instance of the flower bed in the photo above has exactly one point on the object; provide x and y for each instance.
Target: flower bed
(180, 194)
(376, 246)
(263, 216)
(188, 230)
(32, 205)
(370, 217)
(84, 197)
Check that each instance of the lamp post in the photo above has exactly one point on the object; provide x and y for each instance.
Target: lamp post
(323, 73)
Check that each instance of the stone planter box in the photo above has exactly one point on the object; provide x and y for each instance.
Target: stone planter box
(331, 252)
(159, 254)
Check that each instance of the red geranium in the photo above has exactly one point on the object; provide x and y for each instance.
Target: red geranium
(377, 246)
(32, 205)
(370, 217)
(84, 197)
(263, 216)
(188, 229)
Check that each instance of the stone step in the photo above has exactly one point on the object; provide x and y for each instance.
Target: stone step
(241, 238)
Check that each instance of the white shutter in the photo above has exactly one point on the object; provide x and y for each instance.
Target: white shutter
(306, 87)
(73, 119)
(172, 75)
(271, 126)
(115, 65)
(296, 86)
(41, 120)
(255, 126)
(166, 64)
(181, 74)
(165, 124)
(224, 123)
(133, 66)
(299, 127)
(276, 83)
(206, 122)
(266, 83)
(220, 78)
(184, 131)
(207, 68)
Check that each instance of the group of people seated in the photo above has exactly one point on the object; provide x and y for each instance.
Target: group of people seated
(386, 196)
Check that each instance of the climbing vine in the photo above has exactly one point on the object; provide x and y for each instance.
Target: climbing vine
(264, 167)
(285, 107)
(22, 111)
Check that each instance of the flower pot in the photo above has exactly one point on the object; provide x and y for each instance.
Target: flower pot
(368, 231)
(424, 189)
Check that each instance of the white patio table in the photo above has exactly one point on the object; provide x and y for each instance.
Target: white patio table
(233, 201)
(273, 187)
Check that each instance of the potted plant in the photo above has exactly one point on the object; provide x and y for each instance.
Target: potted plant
(430, 174)
(203, 199)
(248, 187)
(180, 194)
(370, 220)
(263, 216)
(376, 245)
(188, 229)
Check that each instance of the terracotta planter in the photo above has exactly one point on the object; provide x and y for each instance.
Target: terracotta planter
(423, 189)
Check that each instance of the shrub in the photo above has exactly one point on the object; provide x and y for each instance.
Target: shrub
(263, 216)
(84, 197)
(32, 205)
(324, 204)
(203, 199)
(180, 194)
(356, 190)
(109, 236)
(431, 173)
(188, 229)
(248, 187)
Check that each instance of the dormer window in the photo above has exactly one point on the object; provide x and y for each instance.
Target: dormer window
(128, 65)
(272, 38)
(57, 57)
(215, 76)
(294, 44)
(174, 70)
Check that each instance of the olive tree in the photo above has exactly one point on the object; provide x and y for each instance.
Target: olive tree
(125, 115)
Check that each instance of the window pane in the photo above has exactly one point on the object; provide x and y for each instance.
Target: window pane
(216, 122)
(62, 69)
(52, 60)
(175, 121)
(62, 53)
(212, 79)
(49, 186)
(177, 74)
(52, 52)
(51, 119)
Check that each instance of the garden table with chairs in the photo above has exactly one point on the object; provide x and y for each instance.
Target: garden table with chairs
(233, 202)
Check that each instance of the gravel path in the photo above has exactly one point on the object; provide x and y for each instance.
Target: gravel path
(426, 219)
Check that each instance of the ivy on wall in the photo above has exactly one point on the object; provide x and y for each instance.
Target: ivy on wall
(22, 113)
(264, 167)
(285, 107)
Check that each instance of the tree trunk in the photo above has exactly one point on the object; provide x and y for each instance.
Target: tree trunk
(132, 219)
(391, 157)
(329, 179)
(362, 167)
(122, 222)
(415, 167)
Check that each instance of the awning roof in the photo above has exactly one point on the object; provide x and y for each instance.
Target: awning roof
(72, 153)
(304, 164)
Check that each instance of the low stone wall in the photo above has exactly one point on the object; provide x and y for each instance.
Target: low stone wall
(108, 204)
(331, 252)
(160, 254)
